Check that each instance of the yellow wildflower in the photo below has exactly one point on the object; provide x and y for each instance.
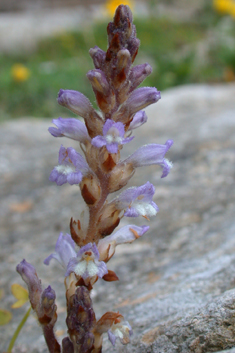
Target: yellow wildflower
(20, 73)
(111, 5)
(21, 294)
(232, 11)
(224, 6)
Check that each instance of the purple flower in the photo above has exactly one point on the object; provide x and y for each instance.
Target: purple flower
(72, 166)
(151, 154)
(71, 128)
(98, 56)
(28, 273)
(141, 98)
(29, 276)
(120, 329)
(48, 298)
(76, 102)
(137, 201)
(113, 135)
(86, 264)
(138, 74)
(126, 234)
(139, 119)
(64, 250)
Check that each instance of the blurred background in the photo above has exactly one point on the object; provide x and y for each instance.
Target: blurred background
(44, 47)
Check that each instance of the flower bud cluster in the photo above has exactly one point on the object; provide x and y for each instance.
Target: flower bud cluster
(85, 252)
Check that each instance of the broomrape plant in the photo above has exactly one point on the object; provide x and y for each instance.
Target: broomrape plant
(85, 252)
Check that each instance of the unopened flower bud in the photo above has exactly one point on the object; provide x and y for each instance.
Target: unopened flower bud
(98, 57)
(138, 74)
(141, 98)
(122, 34)
(90, 189)
(98, 80)
(48, 298)
(123, 58)
(138, 99)
(122, 68)
(75, 101)
(123, 17)
(29, 275)
(47, 311)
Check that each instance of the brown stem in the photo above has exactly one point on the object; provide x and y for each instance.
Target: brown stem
(95, 210)
(51, 341)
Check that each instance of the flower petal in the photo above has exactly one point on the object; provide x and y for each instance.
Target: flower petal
(126, 234)
(113, 136)
(75, 101)
(137, 201)
(71, 128)
(139, 119)
(121, 330)
(64, 250)
(141, 98)
(86, 264)
(151, 154)
(71, 169)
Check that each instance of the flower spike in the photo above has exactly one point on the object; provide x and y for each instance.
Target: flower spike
(99, 172)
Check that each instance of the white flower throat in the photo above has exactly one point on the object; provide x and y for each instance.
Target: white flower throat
(113, 135)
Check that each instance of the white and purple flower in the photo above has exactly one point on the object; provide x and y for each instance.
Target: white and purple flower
(71, 128)
(64, 250)
(86, 264)
(113, 136)
(71, 169)
(120, 329)
(152, 154)
(137, 201)
(124, 235)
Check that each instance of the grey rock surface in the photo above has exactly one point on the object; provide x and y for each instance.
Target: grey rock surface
(177, 283)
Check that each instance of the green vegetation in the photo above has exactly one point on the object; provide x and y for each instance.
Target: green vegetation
(180, 53)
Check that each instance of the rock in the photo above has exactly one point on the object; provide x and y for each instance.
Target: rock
(177, 283)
